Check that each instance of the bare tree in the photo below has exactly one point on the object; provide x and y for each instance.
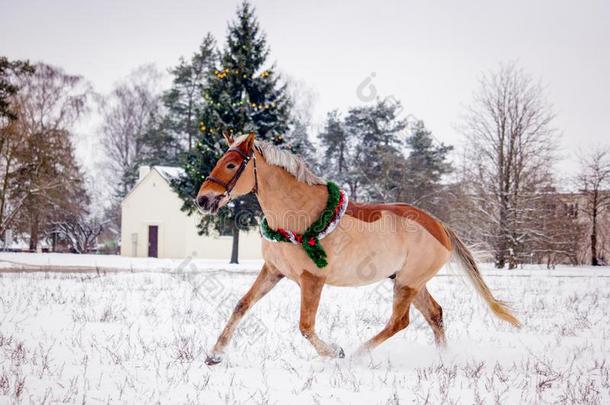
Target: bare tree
(80, 233)
(9, 70)
(10, 204)
(594, 179)
(40, 177)
(511, 146)
(127, 112)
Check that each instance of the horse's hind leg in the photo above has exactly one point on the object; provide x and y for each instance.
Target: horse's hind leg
(433, 313)
(403, 297)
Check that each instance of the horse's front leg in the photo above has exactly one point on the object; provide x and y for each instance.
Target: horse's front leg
(266, 280)
(311, 290)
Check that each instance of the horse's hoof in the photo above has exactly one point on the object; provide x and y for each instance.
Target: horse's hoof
(338, 351)
(213, 359)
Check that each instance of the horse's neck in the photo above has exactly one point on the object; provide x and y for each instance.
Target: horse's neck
(286, 202)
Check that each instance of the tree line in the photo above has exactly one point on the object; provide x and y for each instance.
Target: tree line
(44, 192)
(499, 188)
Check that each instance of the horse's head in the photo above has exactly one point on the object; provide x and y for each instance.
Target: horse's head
(234, 175)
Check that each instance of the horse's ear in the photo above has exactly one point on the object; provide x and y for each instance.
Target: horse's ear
(250, 141)
(228, 137)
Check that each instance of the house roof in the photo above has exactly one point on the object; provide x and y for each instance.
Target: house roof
(167, 173)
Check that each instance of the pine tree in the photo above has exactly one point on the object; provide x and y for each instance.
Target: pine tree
(362, 150)
(335, 143)
(184, 101)
(376, 131)
(426, 165)
(375, 125)
(158, 145)
(241, 95)
(171, 131)
(365, 152)
(299, 143)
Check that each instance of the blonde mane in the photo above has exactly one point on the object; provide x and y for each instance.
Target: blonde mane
(293, 164)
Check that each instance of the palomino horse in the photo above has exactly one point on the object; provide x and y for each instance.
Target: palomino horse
(393, 240)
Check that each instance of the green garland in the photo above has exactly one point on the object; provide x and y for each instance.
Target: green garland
(309, 239)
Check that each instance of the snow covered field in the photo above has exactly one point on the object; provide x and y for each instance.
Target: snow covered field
(141, 336)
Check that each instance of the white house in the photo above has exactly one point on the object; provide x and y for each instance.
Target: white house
(153, 225)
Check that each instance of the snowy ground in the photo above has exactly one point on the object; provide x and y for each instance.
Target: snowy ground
(110, 263)
(141, 336)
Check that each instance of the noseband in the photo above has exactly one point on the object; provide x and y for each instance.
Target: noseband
(228, 186)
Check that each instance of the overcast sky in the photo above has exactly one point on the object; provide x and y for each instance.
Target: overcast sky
(427, 54)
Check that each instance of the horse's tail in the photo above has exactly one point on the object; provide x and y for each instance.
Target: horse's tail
(467, 262)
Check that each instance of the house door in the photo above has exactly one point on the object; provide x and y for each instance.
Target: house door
(153, 241)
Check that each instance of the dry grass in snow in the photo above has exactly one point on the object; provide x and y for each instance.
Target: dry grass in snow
(142, 337)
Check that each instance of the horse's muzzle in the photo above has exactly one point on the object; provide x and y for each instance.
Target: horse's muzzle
(206, 203)
(202, 201)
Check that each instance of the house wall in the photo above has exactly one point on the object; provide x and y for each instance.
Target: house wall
(153, 202)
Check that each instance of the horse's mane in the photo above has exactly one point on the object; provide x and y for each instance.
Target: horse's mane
(293, 164)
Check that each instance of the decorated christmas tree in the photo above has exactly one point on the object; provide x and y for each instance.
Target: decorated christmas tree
(242, 94)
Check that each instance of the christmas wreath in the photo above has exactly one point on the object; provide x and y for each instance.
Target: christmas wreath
(310, 239)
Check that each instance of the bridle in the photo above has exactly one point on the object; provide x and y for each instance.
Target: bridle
(228, 186)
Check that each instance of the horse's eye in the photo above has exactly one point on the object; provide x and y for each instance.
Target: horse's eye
(231, 166)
